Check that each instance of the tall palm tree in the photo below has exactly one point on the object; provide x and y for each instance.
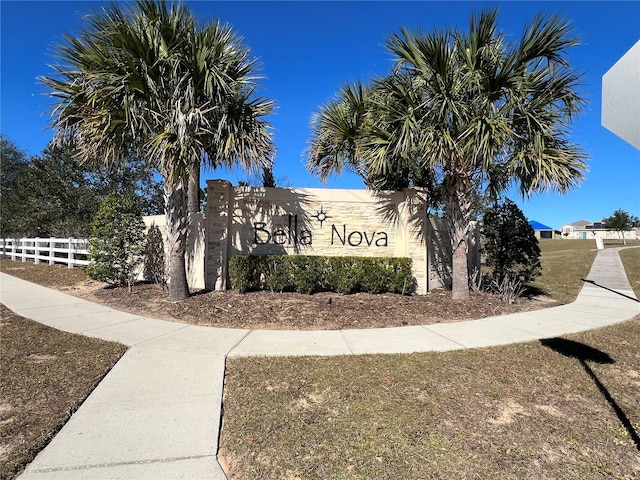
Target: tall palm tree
(478, 110)
(343, 132)
(339, 130)
(239, 132)
(153, 82)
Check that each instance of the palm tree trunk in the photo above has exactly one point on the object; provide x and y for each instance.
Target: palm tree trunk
(175, 196)
(194, 191)
(458, 195)
(267, 177)
(460, 272)
(193, 207)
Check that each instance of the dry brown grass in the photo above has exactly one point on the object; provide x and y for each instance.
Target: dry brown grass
(631, 260)
(54, 276)
(564, 264)
(520, 411)
(46, 374)
(512, 412)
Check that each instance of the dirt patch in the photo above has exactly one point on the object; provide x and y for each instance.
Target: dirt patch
(508, 413)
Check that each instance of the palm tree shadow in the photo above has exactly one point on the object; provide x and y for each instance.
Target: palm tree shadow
(429, 231)
(609, 289)
(584, 353)
(577, 350)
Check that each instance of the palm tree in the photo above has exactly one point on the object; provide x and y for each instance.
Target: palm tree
(479, 112)
(338, 132)
(342, 132)
(239, 132)
(151, 82)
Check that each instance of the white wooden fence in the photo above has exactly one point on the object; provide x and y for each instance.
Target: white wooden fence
(69, 251)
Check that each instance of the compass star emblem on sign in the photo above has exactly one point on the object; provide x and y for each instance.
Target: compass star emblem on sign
(320, 216)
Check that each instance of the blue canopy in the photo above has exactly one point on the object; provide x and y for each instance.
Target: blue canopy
(538, 226)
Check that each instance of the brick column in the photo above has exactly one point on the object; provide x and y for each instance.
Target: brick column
(219, 205)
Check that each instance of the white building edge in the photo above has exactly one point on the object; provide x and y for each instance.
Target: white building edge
(621, 97)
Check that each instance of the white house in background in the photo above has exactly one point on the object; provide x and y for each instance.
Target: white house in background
(585, 230)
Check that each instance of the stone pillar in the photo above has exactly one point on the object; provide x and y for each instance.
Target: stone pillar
(416, 234)
(219, 205)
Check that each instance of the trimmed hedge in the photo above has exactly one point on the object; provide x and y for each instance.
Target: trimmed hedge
(310, 274)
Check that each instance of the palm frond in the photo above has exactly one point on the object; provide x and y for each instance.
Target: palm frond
(150, 78)
(467, 103)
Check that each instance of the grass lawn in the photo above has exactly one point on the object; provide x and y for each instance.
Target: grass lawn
(631, 261)
(564, 263)
(512, 412)
(46, 374)
(521, 411)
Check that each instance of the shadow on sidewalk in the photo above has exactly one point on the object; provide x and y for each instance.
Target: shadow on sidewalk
(611, 290)
(584, 353)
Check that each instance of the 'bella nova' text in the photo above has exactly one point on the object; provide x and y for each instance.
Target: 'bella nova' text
(292, 234)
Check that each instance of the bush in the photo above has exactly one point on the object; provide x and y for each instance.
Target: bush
(310, 274)
(400, 276)
(508, 289)
(510, 244)
(307, 273)
(241, 273)
(277, 273)
(343, 275)
(155, 267)
(116, 243)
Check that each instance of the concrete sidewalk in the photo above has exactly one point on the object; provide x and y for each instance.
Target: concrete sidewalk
(157, 413)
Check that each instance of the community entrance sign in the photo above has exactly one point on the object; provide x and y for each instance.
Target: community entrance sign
(275, 221)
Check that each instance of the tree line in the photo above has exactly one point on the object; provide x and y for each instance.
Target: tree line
(56, 195)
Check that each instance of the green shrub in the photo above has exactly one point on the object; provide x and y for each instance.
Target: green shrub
(277, 273)
(307, 273)
(375, 276)
(345, 274)
(310, 274)
(241, 273)
(510, 244)
(400, 277)
(116, 244)
(155, 267)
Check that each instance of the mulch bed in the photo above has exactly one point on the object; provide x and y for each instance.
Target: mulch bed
(267, 310)
(320, 311)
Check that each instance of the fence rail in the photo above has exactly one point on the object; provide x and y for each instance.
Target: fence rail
(68, 251)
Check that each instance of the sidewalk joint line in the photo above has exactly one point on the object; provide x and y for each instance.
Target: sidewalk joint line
(140, 344)
(111, 325)
(230, 351)
(426, 327)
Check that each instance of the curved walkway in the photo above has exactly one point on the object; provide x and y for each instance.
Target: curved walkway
(157, 413)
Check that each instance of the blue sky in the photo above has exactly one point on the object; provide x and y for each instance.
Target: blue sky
(308, 49)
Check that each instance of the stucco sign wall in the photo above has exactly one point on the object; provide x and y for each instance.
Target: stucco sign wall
(272, 221)
(275, 221)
